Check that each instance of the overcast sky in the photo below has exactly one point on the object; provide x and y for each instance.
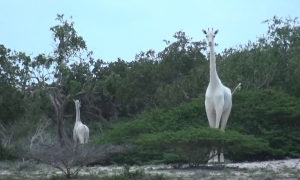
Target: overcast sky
(123, 28)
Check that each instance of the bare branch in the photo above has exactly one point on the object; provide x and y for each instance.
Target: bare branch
(266, 78)
(35, 77)
(43, 124)
(98, 116)
(186, 96)
(6, 136)
(114, 104)
(80, 93)
(54, 102)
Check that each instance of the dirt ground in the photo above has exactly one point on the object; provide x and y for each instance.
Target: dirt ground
(268, 170)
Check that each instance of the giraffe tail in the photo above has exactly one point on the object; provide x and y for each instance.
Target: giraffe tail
(239, 86)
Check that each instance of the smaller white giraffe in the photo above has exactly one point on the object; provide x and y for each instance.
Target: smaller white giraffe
(80, 131)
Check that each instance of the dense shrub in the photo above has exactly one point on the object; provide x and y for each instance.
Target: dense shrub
(194, 144)
(270, 116)
(273, 116)
(6, 153)
(157, 120)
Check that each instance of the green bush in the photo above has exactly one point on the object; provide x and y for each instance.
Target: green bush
(157, 120)
(269, 116)
(194, 144)
(6, 153)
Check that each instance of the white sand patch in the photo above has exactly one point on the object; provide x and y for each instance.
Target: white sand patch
(274, 165)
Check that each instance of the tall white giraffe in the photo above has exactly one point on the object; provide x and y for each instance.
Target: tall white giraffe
(218, 100)
(80, 131)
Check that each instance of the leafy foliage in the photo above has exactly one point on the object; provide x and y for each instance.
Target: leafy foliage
(273, 116)
(270, 62)
(157, 120)
(6, 153)
(194, 144)
(12, 80)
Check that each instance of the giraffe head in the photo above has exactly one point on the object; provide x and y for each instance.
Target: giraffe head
(210, 35)
(77, 103)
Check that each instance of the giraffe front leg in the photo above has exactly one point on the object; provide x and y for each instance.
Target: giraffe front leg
(216, 157)
(211, 116)
(225, 117)
(219, 106)
(213, 156)
(221, 156)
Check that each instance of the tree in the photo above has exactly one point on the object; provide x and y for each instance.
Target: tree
(14, 76)
(272, 62)
(68, 48)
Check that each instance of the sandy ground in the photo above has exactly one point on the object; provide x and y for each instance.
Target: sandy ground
(268, 170)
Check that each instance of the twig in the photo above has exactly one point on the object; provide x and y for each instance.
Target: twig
(40, 130)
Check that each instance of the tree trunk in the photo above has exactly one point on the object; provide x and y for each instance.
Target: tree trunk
(60, 109)
(60, 127)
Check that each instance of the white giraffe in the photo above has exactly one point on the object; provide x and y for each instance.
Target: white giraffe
(80, 131)
(218, 100)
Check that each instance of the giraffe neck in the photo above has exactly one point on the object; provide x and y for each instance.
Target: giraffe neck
(214, 79)
(77, 114)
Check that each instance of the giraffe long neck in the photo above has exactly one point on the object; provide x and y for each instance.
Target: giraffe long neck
(214, 78)
(77, 114)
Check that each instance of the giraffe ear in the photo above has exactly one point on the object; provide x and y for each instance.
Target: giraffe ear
(216, 32)
(204, 31)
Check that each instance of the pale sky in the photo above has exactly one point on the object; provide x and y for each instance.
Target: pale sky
(123, 28)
